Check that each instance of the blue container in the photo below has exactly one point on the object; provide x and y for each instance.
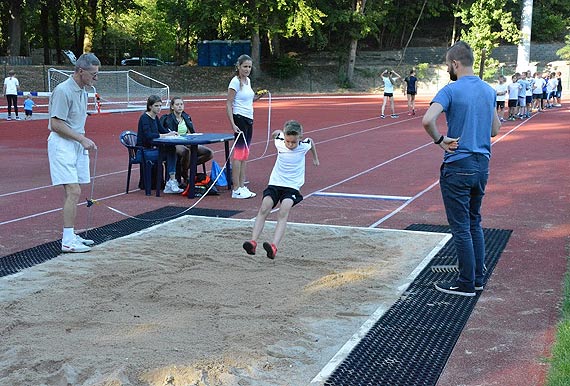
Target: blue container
(222, 53)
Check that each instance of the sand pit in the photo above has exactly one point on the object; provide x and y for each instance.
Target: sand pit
(183, 304)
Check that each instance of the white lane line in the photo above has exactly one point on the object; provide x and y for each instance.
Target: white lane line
(362, 196)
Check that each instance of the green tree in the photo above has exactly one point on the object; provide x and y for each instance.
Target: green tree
(487, 24)
(564, 52)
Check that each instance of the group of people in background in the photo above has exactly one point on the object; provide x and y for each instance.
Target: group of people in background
(528, 93)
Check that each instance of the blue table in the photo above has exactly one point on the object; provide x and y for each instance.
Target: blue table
(192, 141)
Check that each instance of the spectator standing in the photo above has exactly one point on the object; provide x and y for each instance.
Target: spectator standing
(11, 88)
(514, 88)
(389, 78)
(551, 87)
(537, 85)
(469, 106)
(559, 90)
(239, 109)
(68, 147)
(501, 90)
(411, 89)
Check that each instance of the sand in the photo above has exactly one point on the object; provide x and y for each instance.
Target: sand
(183, 304)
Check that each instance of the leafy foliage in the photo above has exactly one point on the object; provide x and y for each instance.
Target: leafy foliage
(488, 24)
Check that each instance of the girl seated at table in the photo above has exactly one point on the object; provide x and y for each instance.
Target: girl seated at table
(149, 129)
(178, 120)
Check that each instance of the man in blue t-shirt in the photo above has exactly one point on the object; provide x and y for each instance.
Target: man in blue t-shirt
(469, 106)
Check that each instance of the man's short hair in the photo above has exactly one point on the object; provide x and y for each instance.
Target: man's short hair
(292, 128)
(461, 52)
(87, 60)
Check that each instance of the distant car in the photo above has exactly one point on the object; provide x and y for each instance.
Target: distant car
(136, 61)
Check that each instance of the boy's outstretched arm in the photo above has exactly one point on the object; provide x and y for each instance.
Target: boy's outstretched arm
(276, 133)
(314, 153)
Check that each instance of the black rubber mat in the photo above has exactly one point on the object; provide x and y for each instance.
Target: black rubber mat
(410, 344)
(24, 259)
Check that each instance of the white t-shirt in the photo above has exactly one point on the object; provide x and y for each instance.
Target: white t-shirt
(538, 84)
(501, 89)
(552, 85)
(289, 168)
(243, 101)
(514, 90)
(12, 85)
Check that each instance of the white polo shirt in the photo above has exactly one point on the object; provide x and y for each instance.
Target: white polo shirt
(68, 102)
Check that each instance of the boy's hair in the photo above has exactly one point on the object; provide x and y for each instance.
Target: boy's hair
(293, 128)
(11, 72)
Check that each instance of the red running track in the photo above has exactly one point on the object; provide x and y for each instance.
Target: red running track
(512, 327)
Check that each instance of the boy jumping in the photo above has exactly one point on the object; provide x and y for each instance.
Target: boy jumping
(286, 179)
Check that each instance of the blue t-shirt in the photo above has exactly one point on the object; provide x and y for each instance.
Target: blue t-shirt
(469, 106)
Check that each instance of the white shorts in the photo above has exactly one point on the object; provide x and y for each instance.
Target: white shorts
(68, 161)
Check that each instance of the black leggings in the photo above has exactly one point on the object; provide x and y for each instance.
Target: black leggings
(12, 100)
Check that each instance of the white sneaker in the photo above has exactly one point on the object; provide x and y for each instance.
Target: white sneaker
(84, 241)
(242, 193)
(74, 246)
(172, 187)
(18, 118)
(247, 191)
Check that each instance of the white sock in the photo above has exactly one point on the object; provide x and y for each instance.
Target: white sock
(68, 235)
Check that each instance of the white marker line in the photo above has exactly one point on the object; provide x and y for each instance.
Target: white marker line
(362, 196)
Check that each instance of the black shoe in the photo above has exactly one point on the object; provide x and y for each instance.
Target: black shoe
(450, 287)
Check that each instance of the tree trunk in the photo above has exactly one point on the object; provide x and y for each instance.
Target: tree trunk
(358, 7)
(14, 27)
(255, 54)
(351, 60)
(90, 22)
(56, 5)
(44, 26)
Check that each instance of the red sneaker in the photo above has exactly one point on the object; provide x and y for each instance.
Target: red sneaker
(271, 250)
(250, 247)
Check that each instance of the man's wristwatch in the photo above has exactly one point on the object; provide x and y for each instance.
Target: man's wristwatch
(440, 140)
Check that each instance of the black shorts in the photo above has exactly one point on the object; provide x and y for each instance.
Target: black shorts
(411, 92)
(513, 102)
(500, 104)
(388, 94)
(28, 112)
(279, 193)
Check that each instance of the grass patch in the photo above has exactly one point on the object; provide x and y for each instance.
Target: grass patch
(559, 372)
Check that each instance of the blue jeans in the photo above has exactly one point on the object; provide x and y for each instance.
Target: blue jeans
(170, 158)
(463, 187)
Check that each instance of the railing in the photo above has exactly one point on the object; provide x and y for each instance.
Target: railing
(15, 60)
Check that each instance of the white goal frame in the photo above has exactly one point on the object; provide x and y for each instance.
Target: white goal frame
(121, 90)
